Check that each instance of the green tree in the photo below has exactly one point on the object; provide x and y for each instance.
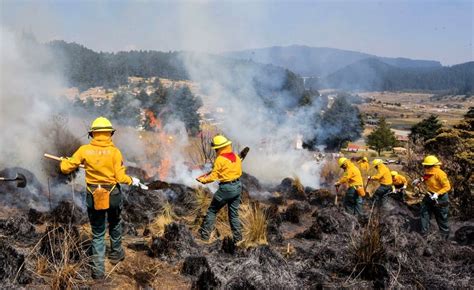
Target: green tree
(426, 129)
(341, 123)
(144, 98)
(125, 109)
(382, 137)
(455, 147)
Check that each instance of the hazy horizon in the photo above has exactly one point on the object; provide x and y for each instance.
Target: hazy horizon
(428, 30)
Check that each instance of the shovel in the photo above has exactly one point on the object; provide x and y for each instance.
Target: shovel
(20, 180)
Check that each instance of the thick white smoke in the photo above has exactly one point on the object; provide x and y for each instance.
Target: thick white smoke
(29, 88)
(246, 119)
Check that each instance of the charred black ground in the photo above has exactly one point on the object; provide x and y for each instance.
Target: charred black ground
(313, 243)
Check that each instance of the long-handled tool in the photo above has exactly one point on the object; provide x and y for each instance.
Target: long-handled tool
(20, 180)
(58, 158)
(366, 185)
(337, 192)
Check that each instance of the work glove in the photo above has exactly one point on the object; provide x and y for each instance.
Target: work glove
(434, 196)
(201, 180)
(136, 182)
(369, 177)
(404, 187)
(416, 182)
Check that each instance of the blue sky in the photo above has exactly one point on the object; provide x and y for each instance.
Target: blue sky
(438, 30)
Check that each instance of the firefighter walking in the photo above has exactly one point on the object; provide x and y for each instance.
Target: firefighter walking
(227, 170)
(384, 177)
(353, 178)
(104, 172)
(436, 201)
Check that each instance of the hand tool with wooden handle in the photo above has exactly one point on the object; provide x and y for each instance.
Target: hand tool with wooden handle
(58, 158)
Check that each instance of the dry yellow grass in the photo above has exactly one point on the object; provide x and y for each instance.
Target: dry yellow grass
(254, 225)
(297, 184)
(167, 216)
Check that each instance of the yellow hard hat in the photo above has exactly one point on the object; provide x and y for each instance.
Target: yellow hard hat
(101, 124)
(220, 141)
(430, 160)
(393, 173)
(377, 162)
(341, 161)
(365, 159)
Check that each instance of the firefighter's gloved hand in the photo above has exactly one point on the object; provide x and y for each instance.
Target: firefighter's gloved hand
(416, 182)
(404, 187)
(136, 182)
(434, 196)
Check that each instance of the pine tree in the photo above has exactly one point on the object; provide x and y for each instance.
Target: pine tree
(382, 137)
(341, 123)
(426, 129)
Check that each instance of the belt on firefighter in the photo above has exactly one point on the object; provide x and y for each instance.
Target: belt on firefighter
(232, 181)
(109, 187)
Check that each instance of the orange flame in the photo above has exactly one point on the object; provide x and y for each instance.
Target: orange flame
(165, 143)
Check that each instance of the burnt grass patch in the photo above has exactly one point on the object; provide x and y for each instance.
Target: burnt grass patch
(329, 249)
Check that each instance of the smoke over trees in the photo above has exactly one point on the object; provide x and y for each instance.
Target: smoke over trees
(342, 122)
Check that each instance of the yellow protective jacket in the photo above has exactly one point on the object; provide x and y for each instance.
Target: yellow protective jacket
(351, 175)
(102, 160)
(399, 181)
(436, 180)
(383, 175)
(364, 166)
(227, 167)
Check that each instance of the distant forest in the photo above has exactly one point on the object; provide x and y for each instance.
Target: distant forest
(85, 68)
(372, 74)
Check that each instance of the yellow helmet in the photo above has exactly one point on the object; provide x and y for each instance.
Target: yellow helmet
(220, 141)
(377, 162)
(365, 159)
(341, 161)
(430, 160)
(101, 124)
(393, 173)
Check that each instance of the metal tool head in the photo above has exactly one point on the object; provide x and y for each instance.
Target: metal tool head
(244, 153)
(20, 180)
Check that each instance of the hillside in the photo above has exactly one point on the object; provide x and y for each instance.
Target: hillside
(319, 61)
(373, 74)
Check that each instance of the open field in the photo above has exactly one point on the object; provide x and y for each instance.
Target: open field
(403, 110)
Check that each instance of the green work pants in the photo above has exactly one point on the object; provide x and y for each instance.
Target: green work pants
(381, 195)
(440, 211)
(227, 194)
(352, 202)
(97, 219)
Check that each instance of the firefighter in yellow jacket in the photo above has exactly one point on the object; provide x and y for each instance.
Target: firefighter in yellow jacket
(384, 177)
(436, 200)
(353, 178)
(364, 165)
(399, 184)
(227, 170)
(104, 172)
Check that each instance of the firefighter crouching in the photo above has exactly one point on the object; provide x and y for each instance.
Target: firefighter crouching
(399, 184)
(227, 170)
(104, 172)
(436, 200)
(353, 178)
(384, 177)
